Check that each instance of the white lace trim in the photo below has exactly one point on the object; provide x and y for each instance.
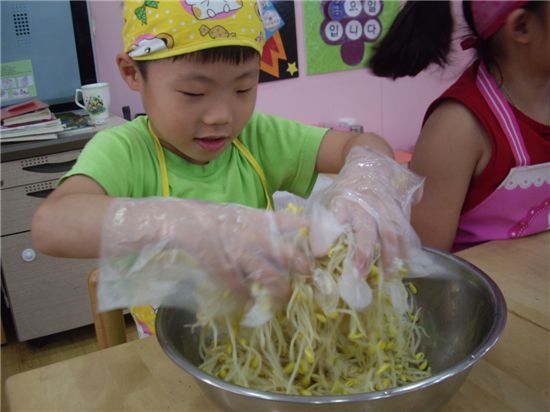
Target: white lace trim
(526, 177)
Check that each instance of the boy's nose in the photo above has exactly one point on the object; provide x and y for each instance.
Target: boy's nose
(219, 113)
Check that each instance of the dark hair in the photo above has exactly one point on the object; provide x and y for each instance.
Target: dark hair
(421, 35)
(228, 54)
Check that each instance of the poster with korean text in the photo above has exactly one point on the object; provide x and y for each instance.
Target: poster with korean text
(339, 35)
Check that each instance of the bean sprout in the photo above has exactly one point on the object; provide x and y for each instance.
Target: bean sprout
(307, 349)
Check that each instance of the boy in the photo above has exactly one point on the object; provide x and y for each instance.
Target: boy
(197, 73)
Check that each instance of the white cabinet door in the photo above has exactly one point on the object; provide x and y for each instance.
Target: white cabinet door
(46, 294)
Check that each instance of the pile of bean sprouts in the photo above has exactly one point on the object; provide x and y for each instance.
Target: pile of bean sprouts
(303, 350)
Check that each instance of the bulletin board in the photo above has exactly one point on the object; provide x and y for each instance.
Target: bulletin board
(280, 54)
(339, 35)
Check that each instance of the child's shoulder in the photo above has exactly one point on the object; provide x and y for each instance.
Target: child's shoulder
(261, 119)
(131, 128)
(270, 138)
(262, 125)
(129, 133)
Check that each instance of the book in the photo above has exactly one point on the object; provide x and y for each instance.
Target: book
(50, 126)
(29, 118)
(20, 109)
(42, 136)
(74, 120)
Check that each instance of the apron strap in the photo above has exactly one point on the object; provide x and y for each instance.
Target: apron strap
(504, 114)
(162, 162)
(246, 153)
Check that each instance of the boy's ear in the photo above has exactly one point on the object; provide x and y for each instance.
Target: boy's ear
(518, 26)
(129, 71)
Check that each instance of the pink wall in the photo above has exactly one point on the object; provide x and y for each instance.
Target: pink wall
(392, 109)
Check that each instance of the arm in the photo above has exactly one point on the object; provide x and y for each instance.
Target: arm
(237, 244)
(69, 222)
(451, 149)
(336, 145)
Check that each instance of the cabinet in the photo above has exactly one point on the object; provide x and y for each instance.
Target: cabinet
(45, 294)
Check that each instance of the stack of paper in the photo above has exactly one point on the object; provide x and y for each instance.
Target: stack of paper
(36, 131)
(31, 120)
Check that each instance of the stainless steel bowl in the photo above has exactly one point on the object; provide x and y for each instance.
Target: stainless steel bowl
(463, 312)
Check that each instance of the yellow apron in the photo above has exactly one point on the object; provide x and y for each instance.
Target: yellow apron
(145, 315)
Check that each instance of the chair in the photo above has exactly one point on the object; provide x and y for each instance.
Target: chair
(110, 327)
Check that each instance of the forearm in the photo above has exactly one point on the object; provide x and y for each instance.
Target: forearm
(74, 225)
(336, 146)
(432, 230)
(369, 140)
(70, 225)
(165, 240)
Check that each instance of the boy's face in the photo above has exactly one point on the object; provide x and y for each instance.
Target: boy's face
(197, 109)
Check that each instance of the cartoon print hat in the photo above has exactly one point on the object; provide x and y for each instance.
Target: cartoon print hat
(165, 28)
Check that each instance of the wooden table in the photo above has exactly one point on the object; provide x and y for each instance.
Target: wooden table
(515, 374)
(137, 376)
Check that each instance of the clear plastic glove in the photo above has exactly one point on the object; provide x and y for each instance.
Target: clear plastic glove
(164, 248)
(370, 200)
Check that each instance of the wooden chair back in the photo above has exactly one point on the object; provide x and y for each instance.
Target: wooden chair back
(109, 326)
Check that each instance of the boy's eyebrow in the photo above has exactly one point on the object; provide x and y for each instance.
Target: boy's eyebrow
(207, 79)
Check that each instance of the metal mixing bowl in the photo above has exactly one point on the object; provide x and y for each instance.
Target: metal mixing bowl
(463, 312)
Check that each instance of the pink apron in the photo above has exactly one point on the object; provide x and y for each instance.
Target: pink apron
(520, 206)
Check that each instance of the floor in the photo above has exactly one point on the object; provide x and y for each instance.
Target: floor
(18, 357)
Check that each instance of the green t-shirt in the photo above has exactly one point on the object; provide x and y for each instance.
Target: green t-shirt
(123, 161)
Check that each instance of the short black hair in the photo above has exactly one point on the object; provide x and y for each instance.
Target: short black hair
(228, 54)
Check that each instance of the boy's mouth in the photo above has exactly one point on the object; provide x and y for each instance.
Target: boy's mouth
(211, 144)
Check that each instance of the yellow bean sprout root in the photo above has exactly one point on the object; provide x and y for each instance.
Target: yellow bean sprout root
(305, 351)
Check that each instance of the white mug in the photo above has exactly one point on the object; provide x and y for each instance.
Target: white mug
(97, 99)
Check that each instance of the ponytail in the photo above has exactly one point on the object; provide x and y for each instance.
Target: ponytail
(419, 36)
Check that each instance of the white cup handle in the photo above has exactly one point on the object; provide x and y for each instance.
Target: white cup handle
(76, 100)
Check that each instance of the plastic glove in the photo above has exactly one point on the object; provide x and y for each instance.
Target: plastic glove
(156, 246)
(370, 200)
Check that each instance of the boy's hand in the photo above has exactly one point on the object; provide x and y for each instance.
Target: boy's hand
(151, 245)
(370, 198)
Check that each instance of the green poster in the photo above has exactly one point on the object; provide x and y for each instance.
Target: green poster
(17, 80)
(339, 35)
